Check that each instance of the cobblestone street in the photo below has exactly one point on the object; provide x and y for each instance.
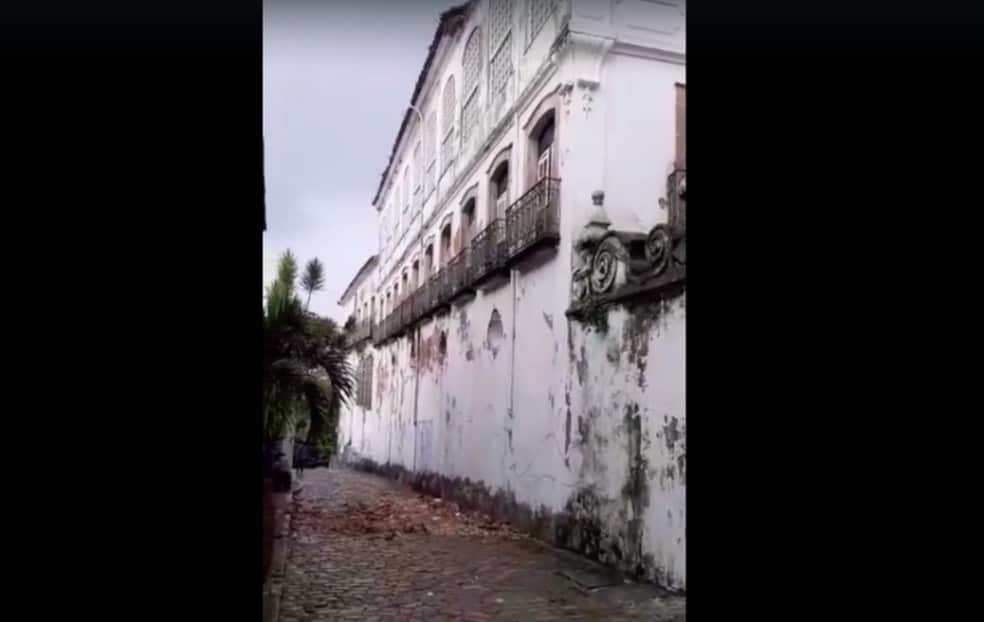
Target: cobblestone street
(438, 573)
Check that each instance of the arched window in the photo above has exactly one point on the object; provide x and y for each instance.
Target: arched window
(449, 111)
(500, 48)
(470, 70)
(445, 244)
(415, 275)
(466, 230)
(429, 261)
(544, 149)
(406, 284)
(499, 190)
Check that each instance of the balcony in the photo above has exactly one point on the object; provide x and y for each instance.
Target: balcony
(459, 276)
(441, 290)
(533, 221)
(428, 294)
(362, 331)
(417, 304)
(488, 252)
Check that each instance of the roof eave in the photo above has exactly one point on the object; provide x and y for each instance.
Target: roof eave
(448, 23)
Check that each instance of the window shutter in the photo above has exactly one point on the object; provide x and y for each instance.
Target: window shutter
(681, 127)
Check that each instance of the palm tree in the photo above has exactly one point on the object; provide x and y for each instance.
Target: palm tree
(306, 377)
(287, 268)
(313, 279)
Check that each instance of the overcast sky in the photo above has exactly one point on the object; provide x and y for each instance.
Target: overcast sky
(337, 78)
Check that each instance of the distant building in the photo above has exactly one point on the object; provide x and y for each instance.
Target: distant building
(523, 324)
(359, 298)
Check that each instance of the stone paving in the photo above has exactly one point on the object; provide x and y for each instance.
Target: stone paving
(371, 577)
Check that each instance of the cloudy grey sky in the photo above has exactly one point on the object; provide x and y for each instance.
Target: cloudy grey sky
(337, 78)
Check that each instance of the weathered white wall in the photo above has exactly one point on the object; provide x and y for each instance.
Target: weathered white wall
(578, 434)
(529, 63)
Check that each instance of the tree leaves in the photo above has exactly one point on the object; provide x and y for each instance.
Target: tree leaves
(313, 279)
(306, 375)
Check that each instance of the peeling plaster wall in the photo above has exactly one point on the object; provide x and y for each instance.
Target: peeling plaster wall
(628, 425)
(583, 431)
(576, 435)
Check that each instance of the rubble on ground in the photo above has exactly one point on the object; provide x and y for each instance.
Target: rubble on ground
(390, 516)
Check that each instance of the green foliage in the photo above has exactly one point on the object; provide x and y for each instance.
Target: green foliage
(313, 279)
(287, 269)
(306, 376)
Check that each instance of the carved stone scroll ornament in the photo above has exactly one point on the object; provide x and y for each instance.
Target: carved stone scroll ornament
(604, 265)
(658, 248)
(584, 247)
(612, 265)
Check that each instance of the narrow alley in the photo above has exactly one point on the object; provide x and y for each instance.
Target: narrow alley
(362, 547)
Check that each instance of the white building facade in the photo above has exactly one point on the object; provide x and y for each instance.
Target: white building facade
(520, 335)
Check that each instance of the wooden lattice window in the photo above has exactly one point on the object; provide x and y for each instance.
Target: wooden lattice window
(471, 69)
(447, 144)
(418, 170)
(500, 46)
(430, 151)
(406, 188)
(539, 12)
(363, 396)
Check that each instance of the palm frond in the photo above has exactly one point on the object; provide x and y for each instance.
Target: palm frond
(306, 375)
(314, 277)
(287, 269)
(335, 364)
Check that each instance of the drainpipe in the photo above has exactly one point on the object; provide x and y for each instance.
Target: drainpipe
(415, 342)
(416, 390)
(514, 277)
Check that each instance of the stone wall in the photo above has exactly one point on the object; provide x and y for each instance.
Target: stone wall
(572, 432)
(571, 425)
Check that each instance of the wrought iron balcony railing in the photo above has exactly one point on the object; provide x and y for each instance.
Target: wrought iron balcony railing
(360, 332)
(488, 251)
(534, 218)
(406, 314)
(430, 292)
(459, 274)
(385, 328)
(415, 306)
(442, 284)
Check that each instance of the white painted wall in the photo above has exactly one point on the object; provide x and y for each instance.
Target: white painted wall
(549, 410)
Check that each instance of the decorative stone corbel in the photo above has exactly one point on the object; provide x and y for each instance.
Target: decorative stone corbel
(615, 265)
(584, 245)
(589, 52)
